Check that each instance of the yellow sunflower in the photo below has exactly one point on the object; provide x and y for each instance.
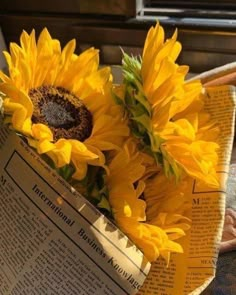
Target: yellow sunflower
(61, 101)
(165, 111)
(153, 231)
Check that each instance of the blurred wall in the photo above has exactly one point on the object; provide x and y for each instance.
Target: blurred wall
(111, 24)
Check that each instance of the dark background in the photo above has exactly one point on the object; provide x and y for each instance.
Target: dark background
(109, 24)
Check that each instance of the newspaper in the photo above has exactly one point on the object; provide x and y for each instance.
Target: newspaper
(52, 241)
(191, 272)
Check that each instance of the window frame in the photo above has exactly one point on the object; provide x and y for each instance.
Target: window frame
(190, 13)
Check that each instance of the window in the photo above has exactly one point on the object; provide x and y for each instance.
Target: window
(198, 12)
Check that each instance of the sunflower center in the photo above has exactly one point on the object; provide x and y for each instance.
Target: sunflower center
(56, 115)
(63, 112)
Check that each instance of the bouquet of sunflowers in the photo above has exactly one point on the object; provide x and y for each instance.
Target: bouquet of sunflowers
(130, 149)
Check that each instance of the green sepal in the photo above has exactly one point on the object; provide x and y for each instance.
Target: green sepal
(131, 67)
(140, 97)
(66, 171)
(137, 110)
(104, 204)
(144, 120)
(117, 99)
(171, 168)
(137, 130)
(155, 142)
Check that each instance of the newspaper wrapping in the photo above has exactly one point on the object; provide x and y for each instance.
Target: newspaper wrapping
(192, 272)
(53, 241)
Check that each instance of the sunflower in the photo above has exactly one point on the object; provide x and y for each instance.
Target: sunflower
(165, 110)
(61, 102)
(154, 231)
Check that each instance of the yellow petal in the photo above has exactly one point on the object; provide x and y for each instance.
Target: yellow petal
(17, 96)
(61, 154)
(81, 151)
(80, 169)
(42, 132)
(44, 146)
